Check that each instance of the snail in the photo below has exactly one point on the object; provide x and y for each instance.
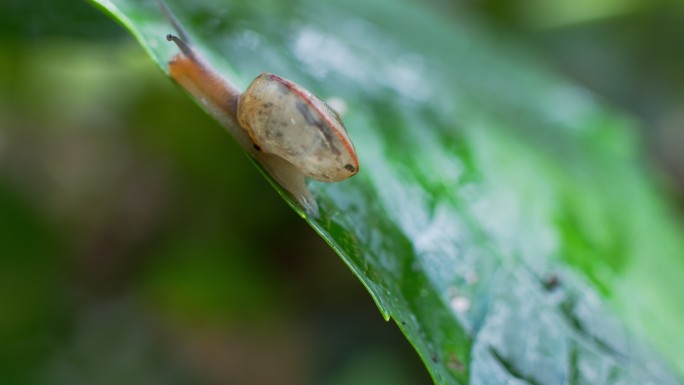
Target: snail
(292, 133)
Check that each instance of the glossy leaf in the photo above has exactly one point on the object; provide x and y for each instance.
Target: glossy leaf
(503, 217)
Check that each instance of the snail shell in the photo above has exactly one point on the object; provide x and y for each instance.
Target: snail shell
(284, 119)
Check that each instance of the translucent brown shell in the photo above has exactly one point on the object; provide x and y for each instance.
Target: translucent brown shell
(284, 119)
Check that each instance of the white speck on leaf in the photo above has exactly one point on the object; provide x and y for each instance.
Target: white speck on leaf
(460, 304)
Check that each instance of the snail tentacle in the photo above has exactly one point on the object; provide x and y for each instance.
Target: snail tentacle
(174, 22)
(185, 48)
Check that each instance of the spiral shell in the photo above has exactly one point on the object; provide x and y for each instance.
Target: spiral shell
(285, 120)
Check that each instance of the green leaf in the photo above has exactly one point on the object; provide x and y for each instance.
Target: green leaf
(503, 217)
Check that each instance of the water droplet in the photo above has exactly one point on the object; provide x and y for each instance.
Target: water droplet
(460, 304)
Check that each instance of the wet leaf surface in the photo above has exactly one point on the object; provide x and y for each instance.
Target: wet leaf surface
(502, 217)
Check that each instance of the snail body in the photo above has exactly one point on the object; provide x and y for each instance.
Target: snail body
(288, 130)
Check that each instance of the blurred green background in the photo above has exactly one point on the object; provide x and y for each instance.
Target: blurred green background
(139, 245)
